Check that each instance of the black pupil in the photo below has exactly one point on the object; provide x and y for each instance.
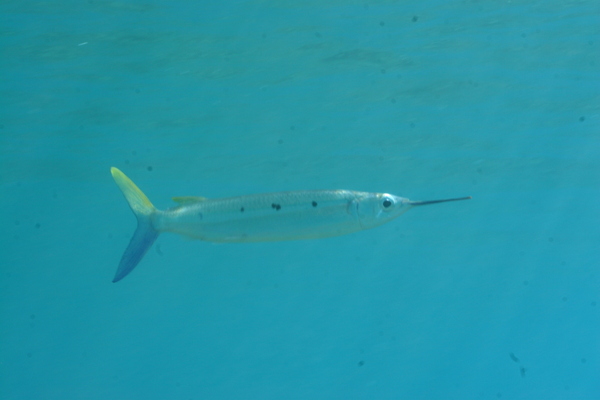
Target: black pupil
(387, 203)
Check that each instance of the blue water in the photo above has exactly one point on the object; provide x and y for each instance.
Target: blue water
(492, 298)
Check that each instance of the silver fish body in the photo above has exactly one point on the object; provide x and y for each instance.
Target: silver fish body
(280, 216)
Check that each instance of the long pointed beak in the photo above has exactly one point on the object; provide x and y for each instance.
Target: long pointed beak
(426, 202)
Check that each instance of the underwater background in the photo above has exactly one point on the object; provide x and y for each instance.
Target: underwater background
(492, 298)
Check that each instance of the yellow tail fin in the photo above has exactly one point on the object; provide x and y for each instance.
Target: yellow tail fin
(145, 234)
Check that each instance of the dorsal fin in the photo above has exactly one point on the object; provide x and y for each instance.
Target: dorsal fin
(188, 199)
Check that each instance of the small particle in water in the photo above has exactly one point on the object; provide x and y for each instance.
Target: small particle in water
(565, 298)
(158, 250)
(137, 91)
(37, 225)
(513, 357)
(593, 304)
(551, 239)
(314, 203)
(242, 209)
(317, 34)
(581, 119)
(28, 355)
(361, 363)
(523, 370)
(381, 23)
(415, 18)
(412, 125)
(583, 360)
(280, 141)
(292, 128)
(276, 206)
(149, 168)
(525, 283)
(32, 316)
(393, 100)
(383, 70)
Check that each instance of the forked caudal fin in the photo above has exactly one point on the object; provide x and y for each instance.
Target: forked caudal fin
(145, 234)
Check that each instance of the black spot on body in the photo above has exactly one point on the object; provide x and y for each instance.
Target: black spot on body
(314, 203)
(242, 209)
(513, 357)
(275, 206)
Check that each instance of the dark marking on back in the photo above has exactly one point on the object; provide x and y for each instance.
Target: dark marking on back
(277, 207)
(314, 203)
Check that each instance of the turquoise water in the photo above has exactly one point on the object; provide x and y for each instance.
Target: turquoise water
(492, 298)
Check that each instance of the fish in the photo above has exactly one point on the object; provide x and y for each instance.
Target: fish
(268, 217)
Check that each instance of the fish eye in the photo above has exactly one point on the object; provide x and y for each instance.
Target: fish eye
(387, 202)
